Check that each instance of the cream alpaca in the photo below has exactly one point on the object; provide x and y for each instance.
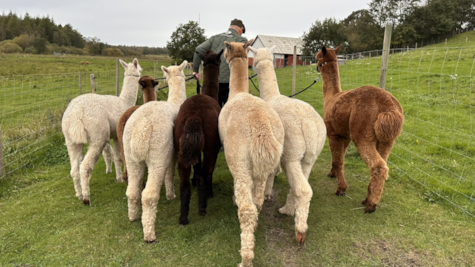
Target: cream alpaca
(253, 136)
(148, 142)
(92, 119)
(305, 135)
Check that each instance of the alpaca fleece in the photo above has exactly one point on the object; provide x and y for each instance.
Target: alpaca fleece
(93, 119)
(253, 137)
(369, 116)
(305, 135)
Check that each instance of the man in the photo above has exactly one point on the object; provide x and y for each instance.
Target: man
(216, 44)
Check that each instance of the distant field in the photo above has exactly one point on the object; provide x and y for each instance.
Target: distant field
(43, 224)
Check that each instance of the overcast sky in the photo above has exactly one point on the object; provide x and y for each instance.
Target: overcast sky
(151, 23)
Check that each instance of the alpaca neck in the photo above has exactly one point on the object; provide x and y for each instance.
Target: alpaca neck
(238, 80)
(129, 89)
(177, 92)
(267, 79)
(331, 81)
(149, 95)
(211, 81)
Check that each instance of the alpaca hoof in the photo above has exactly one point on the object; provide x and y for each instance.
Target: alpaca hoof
(171, 196)
(108, 171)
(300, 238)
(86, 201)
(79, 197)
(340, 192)
(120, 180)
(183, 221)
(370, 208)
(285, 211)
(202, 212)
(151, 241)
(268, 197)
(365, 202)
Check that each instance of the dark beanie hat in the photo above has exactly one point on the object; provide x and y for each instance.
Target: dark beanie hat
(238, 23)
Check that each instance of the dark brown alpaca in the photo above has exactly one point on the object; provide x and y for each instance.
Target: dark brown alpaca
(148, 86)
(196, 132)
(369, 116)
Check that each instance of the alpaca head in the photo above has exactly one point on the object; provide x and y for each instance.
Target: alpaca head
(147, 82)
(236, 50)
(326, 55)
(131, 69)
(262, 54)
(212, 58)
(173, 71)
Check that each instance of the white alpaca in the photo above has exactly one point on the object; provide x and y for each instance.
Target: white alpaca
(148, 142)
(253, 136)
(305, 135)
(92, 119)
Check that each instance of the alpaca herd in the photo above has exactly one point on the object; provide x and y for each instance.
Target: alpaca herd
(258, 136)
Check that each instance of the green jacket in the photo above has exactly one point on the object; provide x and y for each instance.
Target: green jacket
(216, 44)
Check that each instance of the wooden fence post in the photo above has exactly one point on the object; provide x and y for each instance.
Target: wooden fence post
(93, 83)
(3, 173)
(294, 75)
(445, 41)
(385, 57)
(155, 69)
(80, 84)
(117, 77)
(416, 45)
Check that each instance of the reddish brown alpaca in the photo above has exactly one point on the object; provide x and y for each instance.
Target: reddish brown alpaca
(369, 116)
(196, 132)
(148, 85)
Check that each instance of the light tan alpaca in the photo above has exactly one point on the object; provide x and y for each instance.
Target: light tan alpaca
(92, 119)
(305, 135)
(148, 142)
(253, 136)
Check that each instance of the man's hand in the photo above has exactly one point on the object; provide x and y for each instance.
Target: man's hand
(197, 74)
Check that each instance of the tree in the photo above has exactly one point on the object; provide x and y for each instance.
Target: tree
(330, 33)
(363, 32)
(437, 18)
(112, 52)
(184, 41)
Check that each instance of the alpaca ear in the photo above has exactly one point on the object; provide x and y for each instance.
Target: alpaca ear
(324, 51)
(272, 49)
(206, 53)
(123, 63)
(164, 69)
(136, 62)
(142, 84)
(248, 44)
(183, 65)
(228, 46)
(337, 49)
(220, 54)
(253, 50)
(155, 83)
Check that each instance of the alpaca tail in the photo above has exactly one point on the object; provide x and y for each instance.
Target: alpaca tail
(388, 126)
(191, 142)
(265, 150)
(77, 131)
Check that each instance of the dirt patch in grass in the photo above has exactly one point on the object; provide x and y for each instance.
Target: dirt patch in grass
(390, 254)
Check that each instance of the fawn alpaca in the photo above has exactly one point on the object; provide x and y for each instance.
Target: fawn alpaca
(148, 86)
(369, 116)
(196, 132)
(92, 118)
(148, 142)
(253, 136)
(305, 135)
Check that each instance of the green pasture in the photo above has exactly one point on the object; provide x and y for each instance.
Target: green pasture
(432, 164)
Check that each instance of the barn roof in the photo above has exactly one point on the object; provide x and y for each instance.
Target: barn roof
(284, 45)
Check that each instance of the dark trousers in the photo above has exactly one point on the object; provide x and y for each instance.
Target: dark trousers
(223, 93)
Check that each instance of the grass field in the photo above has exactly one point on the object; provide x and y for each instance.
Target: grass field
(43, 224)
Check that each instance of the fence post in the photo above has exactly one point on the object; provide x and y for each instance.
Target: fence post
(416, 45)
(294, 65)
(80, 84)
(385, 57)
(445, 41)
(93, 83)
(466, 39)
(3, 173)
(155, 69)
(117, 77)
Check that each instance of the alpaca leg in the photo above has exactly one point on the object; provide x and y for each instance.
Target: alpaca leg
(75, 157)
(185, 193)
(107, 154)
(87, 165)
(270, 184)
(169, 178)
(378, 171)
(247, 213)
(196, 171)
(338, 146)
(150, 197)
(134, 189)
(289, 207)
(117, 161)
(384, 149)
(205, 177)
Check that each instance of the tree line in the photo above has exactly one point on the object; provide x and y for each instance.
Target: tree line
(41, 35)
(414, 21)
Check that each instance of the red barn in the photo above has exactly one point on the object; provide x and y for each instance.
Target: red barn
(284, 49)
